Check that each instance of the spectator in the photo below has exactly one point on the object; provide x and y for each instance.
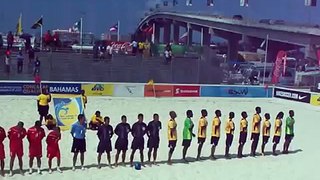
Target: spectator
(1, 41)
(10, 40)
(56, 40)
(134, 45)
(31, 55)
(20, 60)
(141, 47)
(7, 61)
(37, 66)
(168, 56)
(109, 51)
(48, 39)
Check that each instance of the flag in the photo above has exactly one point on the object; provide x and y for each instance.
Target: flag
(76, 27)
(150, 82)
(37, 24)
(185, 35)
(277, 67)
(114, 28)
(19, 26)
(148, 29)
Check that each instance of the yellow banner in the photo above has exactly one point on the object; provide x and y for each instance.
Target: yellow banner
(67, 108)
(98, 89)
(315, 99)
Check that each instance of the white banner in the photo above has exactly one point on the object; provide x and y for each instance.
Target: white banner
(122, 90)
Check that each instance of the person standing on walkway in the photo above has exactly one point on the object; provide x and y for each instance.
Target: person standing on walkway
(20, 60)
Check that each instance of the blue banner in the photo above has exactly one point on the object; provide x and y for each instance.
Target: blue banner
(64, 88)
(9, 88)
(235, 91)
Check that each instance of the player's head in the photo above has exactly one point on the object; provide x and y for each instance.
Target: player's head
(140, 117)
(218, 113)
(37, 124)
(81, 118)
(291, 113)
(231, 115)
(280, 115)
(123, 119)
(244, 115)
(20, 124)
(106, 120)
(267, 115)
(44, 90)
(83, 92)
(98, 113)
(49, 116)
(172, 114)
(156, 117)
(204, 113)
(258, 110)
(189, 114)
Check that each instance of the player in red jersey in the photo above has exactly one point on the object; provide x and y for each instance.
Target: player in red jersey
(53, 150)
(35, 135)
(16, 135)
(2, 154)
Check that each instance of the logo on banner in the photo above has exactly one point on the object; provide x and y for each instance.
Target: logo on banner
(243, 91)
(187, 91)
(98, 87)
(292, 95)
(130, 89)
(67, 110)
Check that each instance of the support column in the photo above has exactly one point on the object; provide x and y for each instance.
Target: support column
(206, 36)
(176, 33)
(166, 33)
(190, 37)
(157, 33)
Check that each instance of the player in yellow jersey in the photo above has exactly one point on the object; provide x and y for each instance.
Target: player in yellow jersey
(84, 98)
(265, 132)
(243, 133)
(229, 133)
(215, 135)
(202, 131)
(43, 103)
(255, 133)
(277, 132)
(172, 134)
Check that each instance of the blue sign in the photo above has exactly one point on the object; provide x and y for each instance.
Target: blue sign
(20, 88)
(235, 91)
(64, 88)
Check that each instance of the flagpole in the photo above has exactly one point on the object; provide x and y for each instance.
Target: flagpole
(118, 33)
(41, 33)
(265, 60)
(153, 32)
(188, 30)
(201, 36)
(81, 34)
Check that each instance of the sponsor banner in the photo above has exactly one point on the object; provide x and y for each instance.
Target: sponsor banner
(315, 99)
(21, 88)
(158, 91)
(186, 91)
(66, 109)
(98, 89)
(64, 88)
(292, 95)
(122, 90)
(235, 91)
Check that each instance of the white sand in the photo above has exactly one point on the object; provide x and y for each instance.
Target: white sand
(299, 165)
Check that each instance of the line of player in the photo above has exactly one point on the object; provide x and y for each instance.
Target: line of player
(138, 130)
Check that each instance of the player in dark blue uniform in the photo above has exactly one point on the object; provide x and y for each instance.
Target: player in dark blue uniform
(105, 133)
(139, 129)
(153, 129)
(122, 130)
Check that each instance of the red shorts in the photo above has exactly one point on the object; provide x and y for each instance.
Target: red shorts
(53, 152)
(2, 154)
(35, 151)
(16, 152)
